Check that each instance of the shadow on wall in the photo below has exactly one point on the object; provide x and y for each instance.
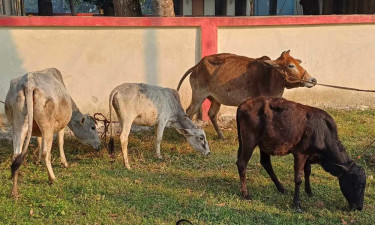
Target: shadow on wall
(151, 57)
(11, 65)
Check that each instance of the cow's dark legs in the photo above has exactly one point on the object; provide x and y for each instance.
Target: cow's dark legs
(299, 165)
(247, 145)
(212, 113)
(307, 170)
(265, 160)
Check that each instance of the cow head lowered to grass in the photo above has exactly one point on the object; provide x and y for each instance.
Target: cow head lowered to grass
(280, 127)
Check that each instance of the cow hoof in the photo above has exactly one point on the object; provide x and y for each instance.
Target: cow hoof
(310, 194)
(246, 196)
(281, 190)
(299, 210)
(127, 167)
(52, 181)
(159, 157)
(14, 195)
(65, 165)
(221, 137)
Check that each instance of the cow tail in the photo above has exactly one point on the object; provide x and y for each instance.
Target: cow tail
(28, 90)
(111, 144)
(184, 76)
(239, 133)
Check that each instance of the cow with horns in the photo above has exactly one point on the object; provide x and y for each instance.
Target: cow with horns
(229, 79)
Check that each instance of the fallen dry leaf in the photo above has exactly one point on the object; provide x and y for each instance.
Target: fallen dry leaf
(31, 212)
(221, 204)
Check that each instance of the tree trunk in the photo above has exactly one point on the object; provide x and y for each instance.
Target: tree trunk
(273, 7)
(72, 10)
(45, 8)
(127, 8)
(310, 7)
(163, 8)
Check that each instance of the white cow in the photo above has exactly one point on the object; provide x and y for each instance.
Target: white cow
(149, 105)
(38, 104)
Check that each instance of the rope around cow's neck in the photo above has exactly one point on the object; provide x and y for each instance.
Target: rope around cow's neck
(325, 85)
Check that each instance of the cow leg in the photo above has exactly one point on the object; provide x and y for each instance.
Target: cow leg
(47, 145)
(61, 148)
(265, 160)
(299, 164)
(159, 128)
(245, 151)
(212, 113)
(307, 171)
(19, 135)
(196, 102)
(124, 141)
(39, 140)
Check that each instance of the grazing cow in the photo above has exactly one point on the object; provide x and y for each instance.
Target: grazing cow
(149, 105)
(230, 79)
(280, 127)
(38, 104)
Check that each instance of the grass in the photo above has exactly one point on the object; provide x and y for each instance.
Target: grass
(185, 184)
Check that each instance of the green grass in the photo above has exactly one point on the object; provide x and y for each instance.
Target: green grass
(185, 184)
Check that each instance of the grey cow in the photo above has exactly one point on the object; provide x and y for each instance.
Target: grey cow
(149, 105)
(38, 104)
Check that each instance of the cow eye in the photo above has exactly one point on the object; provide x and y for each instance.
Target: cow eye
(291, 65)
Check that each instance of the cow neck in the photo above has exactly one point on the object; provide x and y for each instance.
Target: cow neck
(183, 123)
(333, 162)
(76, 115)
(279, 85)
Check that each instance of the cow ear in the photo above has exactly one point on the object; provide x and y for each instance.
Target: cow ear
(299, 61)
(342, 168)
(186, 132)
(270, 63)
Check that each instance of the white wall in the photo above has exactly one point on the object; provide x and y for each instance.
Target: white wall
(334, 54)
(95, 60)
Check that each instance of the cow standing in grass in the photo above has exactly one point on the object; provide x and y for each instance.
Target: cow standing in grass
(38, 104)
(229, 79)
(149, 105)
(280, 127)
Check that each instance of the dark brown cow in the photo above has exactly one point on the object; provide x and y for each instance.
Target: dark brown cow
(280, 127)
(230, 79)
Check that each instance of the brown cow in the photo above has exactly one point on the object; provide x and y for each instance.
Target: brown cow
(229, 79)
(280, 127)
